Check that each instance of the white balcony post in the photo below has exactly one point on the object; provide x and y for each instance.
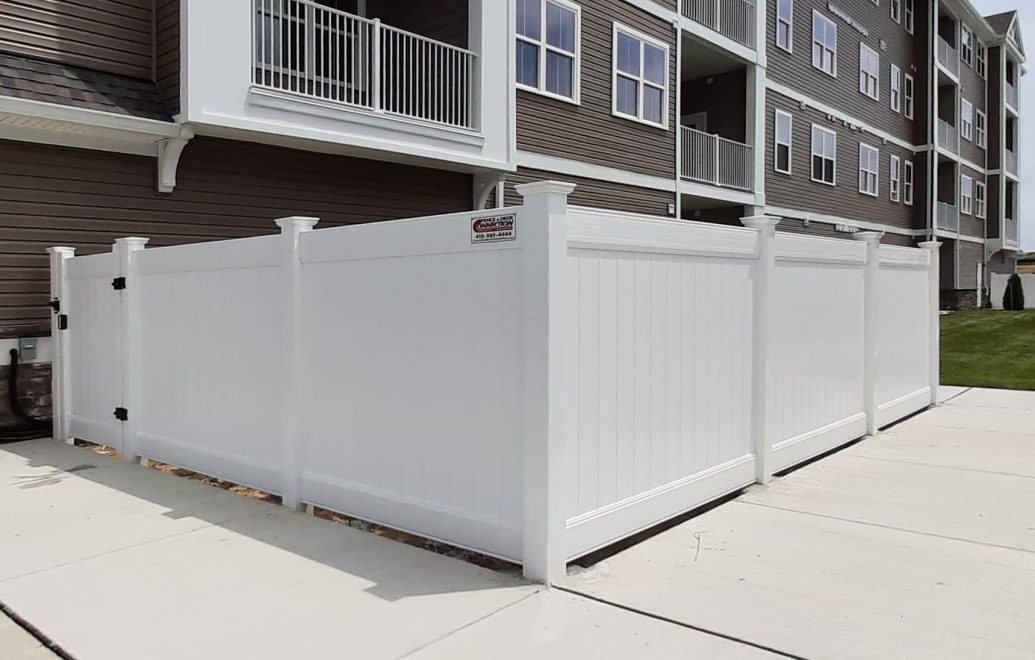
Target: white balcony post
(934, 329)
(542, 222)
(375, 66)
(132, 376)
(59, 257)
(871, 325)
(764, 270)
(291, 230)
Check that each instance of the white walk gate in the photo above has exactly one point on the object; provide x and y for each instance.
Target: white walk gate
(532, 383)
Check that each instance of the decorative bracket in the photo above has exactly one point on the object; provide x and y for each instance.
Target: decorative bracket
(484, 184)
(169, 152)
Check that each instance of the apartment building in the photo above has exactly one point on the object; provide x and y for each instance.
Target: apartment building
(192, 120)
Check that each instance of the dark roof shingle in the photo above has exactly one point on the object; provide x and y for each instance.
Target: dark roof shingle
(1001, 22)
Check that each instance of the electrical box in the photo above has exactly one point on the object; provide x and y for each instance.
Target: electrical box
(26, 349)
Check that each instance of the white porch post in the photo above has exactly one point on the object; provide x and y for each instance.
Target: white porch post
(125, 249)
(542, 221)
(871, 325)
(935, 327)
(764, 271)
(291, 230)
(60, 366)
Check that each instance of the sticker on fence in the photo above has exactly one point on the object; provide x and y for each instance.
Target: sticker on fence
(494, 229)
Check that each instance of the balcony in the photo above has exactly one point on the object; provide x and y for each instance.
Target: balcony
(320, 53)
(1011, 95)
(1010, 233)
(948, 57)
(948, 136)
(1011, 162)
(716, 161)
(734, 19)
(948, 217)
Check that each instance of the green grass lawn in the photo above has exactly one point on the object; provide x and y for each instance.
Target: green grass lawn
(989, 348)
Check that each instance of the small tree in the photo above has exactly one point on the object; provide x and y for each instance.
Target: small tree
(1013, 299)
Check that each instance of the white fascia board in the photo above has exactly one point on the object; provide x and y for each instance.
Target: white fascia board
(973, 166)
(138, 126)
(796, 214)
(725, 43)
(719, 194)
(583, 170)
(819, 106)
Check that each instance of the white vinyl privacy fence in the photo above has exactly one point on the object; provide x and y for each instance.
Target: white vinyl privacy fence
(532, 383)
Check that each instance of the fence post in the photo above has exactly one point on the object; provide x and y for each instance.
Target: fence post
(764, 270)
(542, 222)
(291, 230)
(125, 249)
(871, 324)
(935, 339)
(59, 257)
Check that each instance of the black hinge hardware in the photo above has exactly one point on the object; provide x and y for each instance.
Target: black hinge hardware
(55, 305)
(62, 321)
(121, 414)
(119, 283)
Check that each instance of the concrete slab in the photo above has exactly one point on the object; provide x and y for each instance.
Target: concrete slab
(919, 543)
(16, 643)
(557, 625)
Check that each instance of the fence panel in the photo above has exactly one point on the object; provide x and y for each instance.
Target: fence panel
(95, 349)
(413, 396)
(659, 363)
(210, 397)
(815, 388)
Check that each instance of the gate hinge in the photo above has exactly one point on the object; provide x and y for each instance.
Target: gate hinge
(119, 283)
(62, 321)
(55, 305)
(121, 414)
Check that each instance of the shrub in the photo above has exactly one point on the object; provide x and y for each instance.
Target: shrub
(1013, 299)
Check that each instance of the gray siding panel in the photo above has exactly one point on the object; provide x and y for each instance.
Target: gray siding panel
(97, 34)
(589, 132)
(596, 194)
(971, 225)
(973, 89)
(167, 52)
(799, 192)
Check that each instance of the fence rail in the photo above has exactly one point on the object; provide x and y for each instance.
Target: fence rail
(731, 18)
(717, 161)
(948, 217)
(948, 136)
(948, 57)
(312, 50)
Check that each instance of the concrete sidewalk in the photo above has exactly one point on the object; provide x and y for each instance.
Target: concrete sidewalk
(918, 543)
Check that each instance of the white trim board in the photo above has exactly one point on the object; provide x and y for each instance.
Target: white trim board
(794, 214)
(819, 106)
(583, 170)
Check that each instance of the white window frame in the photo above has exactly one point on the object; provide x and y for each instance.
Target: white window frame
(981, 61)
(896, 10)
(908, 16)
(868, 77)
(823, 48)
(980, 200)
(868, 176)
(966, 45)
(789, 23)
(908, 95)
(966, 201)
(777, 143)
(966, 119)
(907, 182)
(980, 129)
(812, 160)
(895, 187)
(641, 81)
(896, 88)
(576, 73)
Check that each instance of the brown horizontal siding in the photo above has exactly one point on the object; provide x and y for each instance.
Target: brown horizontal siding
(888, 38)
(167, 52)
(995, 206)
(824, 230)
(596, 194)
(225, 189)
(970, 254)
(589, 132)
(995, 107)
(970, 224)
(442, 20)
(97, 34)
(972, 87)
(798, 191)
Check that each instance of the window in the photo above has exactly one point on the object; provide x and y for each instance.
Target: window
(907, 182)
(869, 70)
(980, 206)
(785, 24)
(980, 129)
(896, 88)
(869, 159)
(907, 100)
(824, 156)
(982, 59)
(784, 128)
(908, 15)
(548, 47)
(896, 10)
(640, 85)
(966, 194)
(966, 45)
(824, 44)
(896, 178)
(966, 119)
